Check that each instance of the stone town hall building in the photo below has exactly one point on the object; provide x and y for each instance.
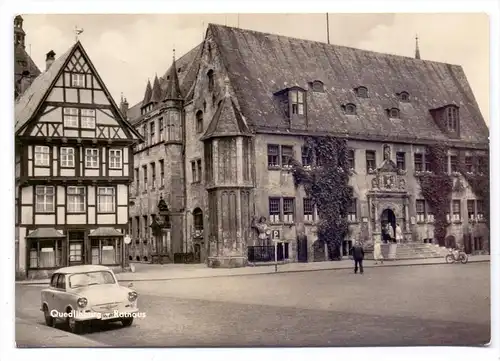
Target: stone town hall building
(222, 122)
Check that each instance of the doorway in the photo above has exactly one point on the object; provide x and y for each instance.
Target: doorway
(76, 248)
(388, 225)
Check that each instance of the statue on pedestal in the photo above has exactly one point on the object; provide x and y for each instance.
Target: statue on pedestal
(262, 228)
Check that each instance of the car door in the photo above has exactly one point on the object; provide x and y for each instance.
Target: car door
(59, 293)
(48, 295)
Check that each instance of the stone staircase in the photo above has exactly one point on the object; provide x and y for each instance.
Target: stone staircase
(412, 250)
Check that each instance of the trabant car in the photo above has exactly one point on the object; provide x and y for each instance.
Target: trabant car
(78, 295)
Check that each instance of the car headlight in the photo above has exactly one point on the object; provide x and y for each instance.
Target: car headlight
(132, 296)
(82, 302)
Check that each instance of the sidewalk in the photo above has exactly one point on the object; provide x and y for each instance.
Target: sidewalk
(155, 272)
(31, 334)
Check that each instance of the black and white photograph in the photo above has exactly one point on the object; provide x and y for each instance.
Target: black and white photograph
(250, 180)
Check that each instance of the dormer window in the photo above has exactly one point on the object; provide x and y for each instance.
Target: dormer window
(451, 116)
(297, 101)
(317, 86)
(350, 109)
(404, 97)
(394, 113)
(361, 92)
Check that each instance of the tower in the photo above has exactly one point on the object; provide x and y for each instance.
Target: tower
(19, 34)
(174, 158)
(417, 50)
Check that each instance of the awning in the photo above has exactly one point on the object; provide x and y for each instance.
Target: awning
(46, 233)
(105, 232)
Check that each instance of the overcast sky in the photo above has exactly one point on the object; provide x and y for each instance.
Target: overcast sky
(129, 49)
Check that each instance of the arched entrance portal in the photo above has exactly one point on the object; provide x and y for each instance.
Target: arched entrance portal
(388, 225)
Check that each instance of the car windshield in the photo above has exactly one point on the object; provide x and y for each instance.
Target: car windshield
(90, 279)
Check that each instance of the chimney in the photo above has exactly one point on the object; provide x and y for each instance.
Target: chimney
(51, 56)
(124, 107)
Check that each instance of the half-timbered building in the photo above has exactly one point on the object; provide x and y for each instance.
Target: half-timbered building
(73, 166)
(250, 99)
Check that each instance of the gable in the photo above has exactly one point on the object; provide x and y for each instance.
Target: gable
(70, 100)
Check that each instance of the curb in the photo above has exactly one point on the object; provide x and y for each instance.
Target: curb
(268, 272)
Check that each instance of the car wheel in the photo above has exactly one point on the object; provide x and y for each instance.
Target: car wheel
(49, 320)
(73, 325)
(126, 322)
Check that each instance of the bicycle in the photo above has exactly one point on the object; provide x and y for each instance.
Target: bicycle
(455, 257)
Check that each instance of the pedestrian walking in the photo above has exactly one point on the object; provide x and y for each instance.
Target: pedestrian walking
(399, 234)
(358, 254)
(377, 252)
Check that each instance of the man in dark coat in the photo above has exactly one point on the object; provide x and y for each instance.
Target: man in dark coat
(358, 254)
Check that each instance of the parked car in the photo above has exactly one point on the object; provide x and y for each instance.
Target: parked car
(81, 294)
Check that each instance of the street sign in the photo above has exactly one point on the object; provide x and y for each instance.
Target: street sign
(276, 234)
(127, 239)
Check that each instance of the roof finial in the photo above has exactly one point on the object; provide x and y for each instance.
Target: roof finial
(417, 50)
(121, 95)
(173, 53)
(78, 31)
(226, 83)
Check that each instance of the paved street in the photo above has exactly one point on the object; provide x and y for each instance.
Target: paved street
(391, 306)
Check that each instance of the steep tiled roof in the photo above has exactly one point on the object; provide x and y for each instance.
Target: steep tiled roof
(173, 90)
(260, 64)
(22, 62)
(156, 94)
(147, 93)
(28, 102)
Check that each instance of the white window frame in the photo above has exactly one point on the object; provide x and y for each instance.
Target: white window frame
(78, 80)
(70, 116)
(92, 158)
(106, 199)
(308, 217)
(87, 118)
(44, 199)
(76, 201)
(67, 157)
(287, 216)
(42, 155)
(115, 159)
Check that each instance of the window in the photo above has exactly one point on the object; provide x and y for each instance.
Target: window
(370, 161)
(482, 165)
(452, 119)
(288, 210)
(404, 96)
(44, 199)
(106, 199)
(144, 134)
(137, 183)
(297, 100)
(193, 172)
(145, 175)
(199, 172)
(88, 118)
(469, 164)
(137, 228)
(471, 210)
(42, 156)
(75, 252)
(162, 127)
(350, 109)
(152, 131)
(70, 116)
(351, 160)
(106, 251)
(351, 211)
(317, 86)
(453, 163)
(480, 210)
(401, 160)
(199, 121)
(418, 162)
(286, 155)
(307, 159)
(362, 92)
(394, 113)
(91, 158)
(274, 210)
(145, 228)
(308, 210)
(456, 211)
(153, 175)
(273, 155)
(76, 199)
(162, 173)
(67, 157)
(198, 219)
(115, 159)
(78, 80)
(210, 76)
(427, 163)
(430, 213)
(46, 254)
(420, 208)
